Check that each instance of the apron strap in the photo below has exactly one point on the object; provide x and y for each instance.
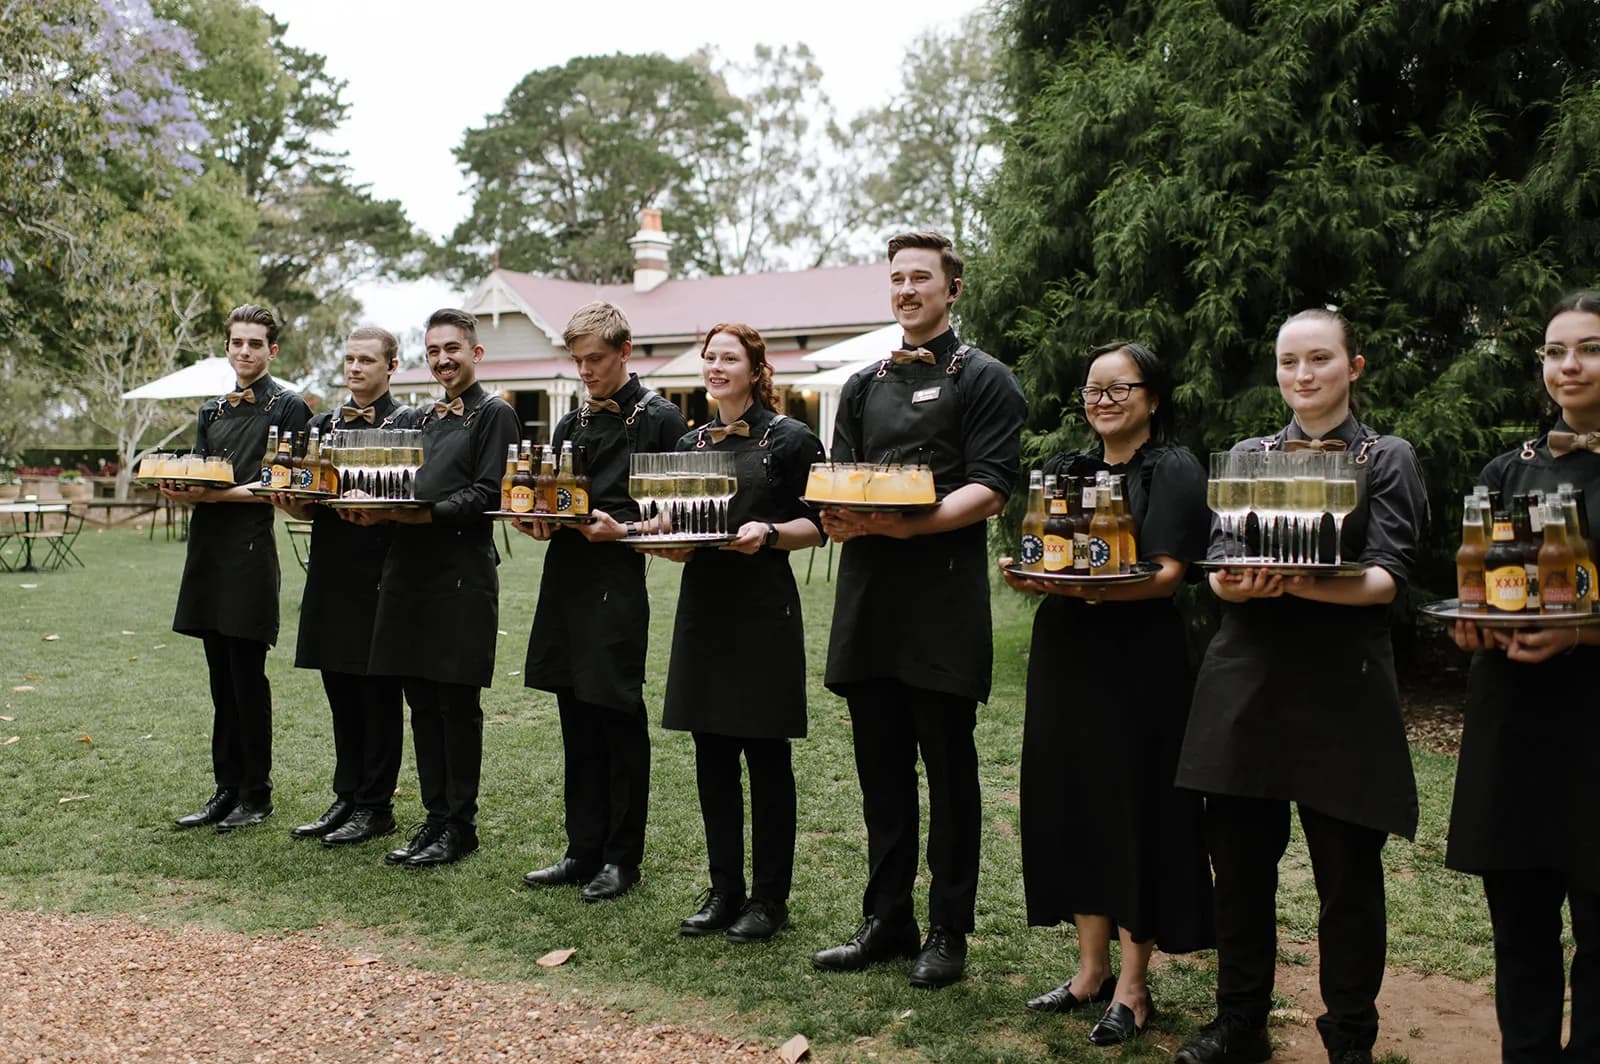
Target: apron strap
(767, 435)
(1366, 446)
(1528, 453)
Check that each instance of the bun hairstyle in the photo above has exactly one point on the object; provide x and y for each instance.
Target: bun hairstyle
(755, 349)
(1347, 336)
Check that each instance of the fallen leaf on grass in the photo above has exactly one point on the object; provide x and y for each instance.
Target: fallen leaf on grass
(159, 646)
(795, 1049)
(30, 679)
(147, 736)
(30, 587)
(51, 638)
(501, 631)
(126, 632)
(13, 739)
(361, 962)
(23, 687)
(85, 739)
(906, 1015)
(8, 720)
(71, 798)
(556, 957)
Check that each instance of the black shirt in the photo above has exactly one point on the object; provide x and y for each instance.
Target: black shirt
(609, 442)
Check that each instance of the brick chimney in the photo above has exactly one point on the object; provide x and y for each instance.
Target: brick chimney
(650, 247)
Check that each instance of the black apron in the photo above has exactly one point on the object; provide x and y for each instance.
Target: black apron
(740, 670)
(230, 575)
(438, 598)
(1526, 792)
(1298, 700)
(914, 610)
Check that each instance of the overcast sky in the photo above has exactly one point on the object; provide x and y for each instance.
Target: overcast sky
(421, 72)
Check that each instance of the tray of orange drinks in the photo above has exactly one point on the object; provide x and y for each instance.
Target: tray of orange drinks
(206, 471)
(868, 488)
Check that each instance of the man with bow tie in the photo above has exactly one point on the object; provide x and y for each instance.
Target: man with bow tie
(337, 613)
(587, 646)
(438, 610)
(229, 594)
(911, 649)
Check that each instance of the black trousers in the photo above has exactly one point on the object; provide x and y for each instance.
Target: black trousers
(1529, 966)
(772, 813)
(607, 781)
(447, 735)
(891, 723)
(368, 730)
(1247, 838)
(241, 721)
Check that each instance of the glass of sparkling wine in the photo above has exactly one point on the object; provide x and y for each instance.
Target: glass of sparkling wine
(1269, 498)
(1308, 496)
(1228, 494)
(640, 488)
(1340, 470)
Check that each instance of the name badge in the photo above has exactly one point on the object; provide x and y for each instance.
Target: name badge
(926, 394)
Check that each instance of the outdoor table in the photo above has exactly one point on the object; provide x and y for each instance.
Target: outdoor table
(29, 510)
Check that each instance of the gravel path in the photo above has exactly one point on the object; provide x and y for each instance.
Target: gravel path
(80, 989)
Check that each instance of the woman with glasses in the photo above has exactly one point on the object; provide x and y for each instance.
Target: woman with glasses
(1296, 701)
(1142, 877)
(1525, 798)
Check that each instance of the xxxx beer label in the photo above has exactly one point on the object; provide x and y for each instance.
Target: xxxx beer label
(1506, 589)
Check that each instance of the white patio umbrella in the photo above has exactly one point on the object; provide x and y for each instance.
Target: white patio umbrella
(211, 376)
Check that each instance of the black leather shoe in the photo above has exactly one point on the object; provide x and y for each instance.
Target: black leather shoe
(362, 825)
(760, 920)
(1062, 999)
(567, 872)
(719, 911)
(873, 942)
(421, 838)
(1349, 1056)
(1119, 1025)
(337, 814)
(943, 959)
(1226, 1040)
(452, 844)
(219, 805)
(244, 815)
(612, 881)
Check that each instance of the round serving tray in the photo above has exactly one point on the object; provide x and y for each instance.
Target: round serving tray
(871, 507)
(376, 504)
(1140, 572)
(293, 493)
(674, 542)
(1447, 611)
(1287, 568)
(555, 519)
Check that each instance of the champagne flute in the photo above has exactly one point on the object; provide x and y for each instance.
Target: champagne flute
(1269, 497)
(1310, 500)
(1342, 495)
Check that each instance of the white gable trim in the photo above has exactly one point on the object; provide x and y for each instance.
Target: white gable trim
(495, 297)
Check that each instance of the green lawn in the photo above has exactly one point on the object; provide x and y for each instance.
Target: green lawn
(118, 712)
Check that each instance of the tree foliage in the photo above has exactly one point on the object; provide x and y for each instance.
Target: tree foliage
(1189, 172)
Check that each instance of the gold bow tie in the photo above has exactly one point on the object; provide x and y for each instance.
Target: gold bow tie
(604, 404)
(248, 395)
(921, 354)
(454, 406)
(365, 413)
(1315, 445)
(1566, 442)
(718, 433)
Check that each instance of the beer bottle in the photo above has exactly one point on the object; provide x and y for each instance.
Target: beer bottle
(327, 472)
(580, 480)
(1119, 506)
(1058, 532)
(311, 465)
(1080, 503)
(505, 481)
(1105, 535)
(1522, 517)
(1557, 581)
(267, 456)
(544, 501)
(524, 486)
(1505, 581)
(565, 481)
(1470, 558)
(1030, 556)
(1586, 584)
(281, 461)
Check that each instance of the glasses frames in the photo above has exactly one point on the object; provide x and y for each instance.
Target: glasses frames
(1117, 393)
(1588, 351)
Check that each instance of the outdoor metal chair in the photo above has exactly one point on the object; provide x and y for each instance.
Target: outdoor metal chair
(300, 540)
(11, 542)
(57, 529)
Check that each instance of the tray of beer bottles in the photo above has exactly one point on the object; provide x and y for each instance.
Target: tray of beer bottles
(678, 540)
(294, 493)
(1277, 568)
(555, 519)
(870, 507)
(1448, 611)
(1137, 573)
(368, 503)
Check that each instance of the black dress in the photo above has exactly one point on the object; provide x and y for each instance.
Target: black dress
(1108, 697)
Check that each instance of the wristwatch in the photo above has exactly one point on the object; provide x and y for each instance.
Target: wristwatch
(630, 529)
(772, 536)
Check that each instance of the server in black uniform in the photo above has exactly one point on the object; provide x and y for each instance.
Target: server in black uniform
(911, 649)
(1296, 701)
(1525, 802)
(737, 681)
(587, 645)
(229, 594)
(439, 595)
(337, 613)
(1145, 876)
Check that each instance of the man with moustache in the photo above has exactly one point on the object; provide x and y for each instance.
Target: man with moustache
(911, 648)
(438, 595)
(337, 613)
(587, 646)
(229, 595)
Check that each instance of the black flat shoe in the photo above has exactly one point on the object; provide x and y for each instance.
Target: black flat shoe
(943, 959)
(718, 911)
(421, 838)
(874, 941)
(336, 815)
(452, 844)
(244, 815)
(219, 805)
(567, 872)
(760, 920)
(1118, 1025)
(1062, 999)
(612, 881)
(363, 824)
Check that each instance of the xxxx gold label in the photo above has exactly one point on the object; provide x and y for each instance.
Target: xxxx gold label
(1506, 589)
(1057, 554)
(522, 500)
